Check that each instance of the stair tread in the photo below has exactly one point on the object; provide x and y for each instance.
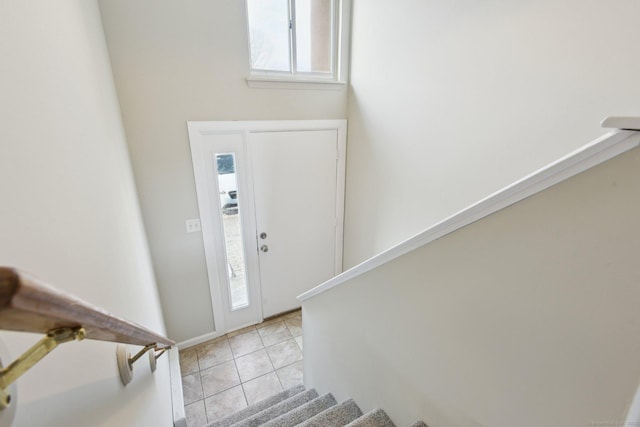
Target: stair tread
(418, 424)
(374, 418)
(278, 409)
(257, 407)
(336, 416)
(303, 412)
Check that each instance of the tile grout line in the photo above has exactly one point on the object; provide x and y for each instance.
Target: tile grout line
(226, 338)
(275, 371)
(201, 386)
(246, 402)
(244, 393)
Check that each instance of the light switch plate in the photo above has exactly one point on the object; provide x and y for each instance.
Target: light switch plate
(193, 225)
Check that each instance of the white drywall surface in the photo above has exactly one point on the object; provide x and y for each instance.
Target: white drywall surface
(527, 317)
(174, 62)
(451, 101)
(69, 213)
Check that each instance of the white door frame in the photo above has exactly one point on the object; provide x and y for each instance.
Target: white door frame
(203, 148)
(209, 204)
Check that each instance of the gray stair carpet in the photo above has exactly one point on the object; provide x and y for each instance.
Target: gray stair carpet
(287, 405)
(257, 407)
(375, 418)
(303, 412)
(304, 408)
(336, 416)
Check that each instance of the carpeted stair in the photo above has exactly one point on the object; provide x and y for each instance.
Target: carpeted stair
(304, 408)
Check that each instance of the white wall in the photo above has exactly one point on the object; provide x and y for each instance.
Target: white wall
(451, 101)
(69, 212)
(174, 62)
(527, 317)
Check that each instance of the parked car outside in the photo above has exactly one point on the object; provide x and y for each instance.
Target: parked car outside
(227, 183)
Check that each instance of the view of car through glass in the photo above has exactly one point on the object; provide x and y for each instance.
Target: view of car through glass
(227, 183)
(232, 229)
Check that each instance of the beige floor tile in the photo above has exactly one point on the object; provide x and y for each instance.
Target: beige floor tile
(294, 315)
(284, 353)
(225, 403)
(196, 414)
(262, 387)
(241, 331)
(188, 361)
(245, 343)
(290, 375)
(192, 388)
(214, 352)
(295, 326)
(253, 365)
(274, 333)
(214, 369)
(219, 378)
(269, 322)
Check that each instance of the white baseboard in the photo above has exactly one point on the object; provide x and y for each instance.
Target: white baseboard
(177, 399)
(198, 340)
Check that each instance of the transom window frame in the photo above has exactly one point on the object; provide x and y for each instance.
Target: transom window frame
(337, 79)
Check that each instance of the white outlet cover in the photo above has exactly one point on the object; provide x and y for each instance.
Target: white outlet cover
(193, 225)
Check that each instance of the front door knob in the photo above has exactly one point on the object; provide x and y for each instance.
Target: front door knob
(264, 248)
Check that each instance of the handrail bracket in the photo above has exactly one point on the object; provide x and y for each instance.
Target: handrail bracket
(126, 361)
(146, 348)
(32, 356)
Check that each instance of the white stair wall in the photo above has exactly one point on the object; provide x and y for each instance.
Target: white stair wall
(526, 317)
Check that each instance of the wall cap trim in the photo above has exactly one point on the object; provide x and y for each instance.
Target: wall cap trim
(592, 154)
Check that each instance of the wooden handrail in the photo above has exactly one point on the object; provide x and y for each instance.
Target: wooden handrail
(29, 305)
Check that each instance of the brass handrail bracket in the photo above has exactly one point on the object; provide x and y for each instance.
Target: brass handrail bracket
(125, 361)
(32, 356)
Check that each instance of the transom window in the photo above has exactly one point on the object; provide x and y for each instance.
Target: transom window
(297, 39)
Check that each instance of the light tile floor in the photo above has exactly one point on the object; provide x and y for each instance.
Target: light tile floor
(228, 373)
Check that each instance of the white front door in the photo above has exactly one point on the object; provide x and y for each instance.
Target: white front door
(271, 199)
(295, 179)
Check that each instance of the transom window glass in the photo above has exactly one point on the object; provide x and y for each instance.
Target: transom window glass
(295, 38)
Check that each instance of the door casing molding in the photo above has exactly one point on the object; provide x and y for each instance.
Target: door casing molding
(208, 206)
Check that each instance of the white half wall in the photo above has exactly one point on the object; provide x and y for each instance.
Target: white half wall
(69, 212)
(527, 317)
(451, 101)
(174, 62)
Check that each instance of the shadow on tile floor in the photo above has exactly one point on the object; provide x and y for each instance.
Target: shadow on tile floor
(231, 372)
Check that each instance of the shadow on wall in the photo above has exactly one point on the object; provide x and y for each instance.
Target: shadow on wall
(358, 237)
(105, 402)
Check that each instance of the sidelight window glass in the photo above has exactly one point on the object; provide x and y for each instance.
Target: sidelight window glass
(232, 228)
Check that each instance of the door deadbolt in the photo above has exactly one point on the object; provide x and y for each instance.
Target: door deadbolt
(263, 235)
(264, 248)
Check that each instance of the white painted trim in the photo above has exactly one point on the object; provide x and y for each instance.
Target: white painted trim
(211, 128)
(633, 414)
(344, 40)
(620, 122)
(198, 130)
(341, 179)
(602, 149)
(210, 336)
(198, 159)
(274, 82)
(198, 340)
(337, 80)
(202, 149)
(177, 399)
